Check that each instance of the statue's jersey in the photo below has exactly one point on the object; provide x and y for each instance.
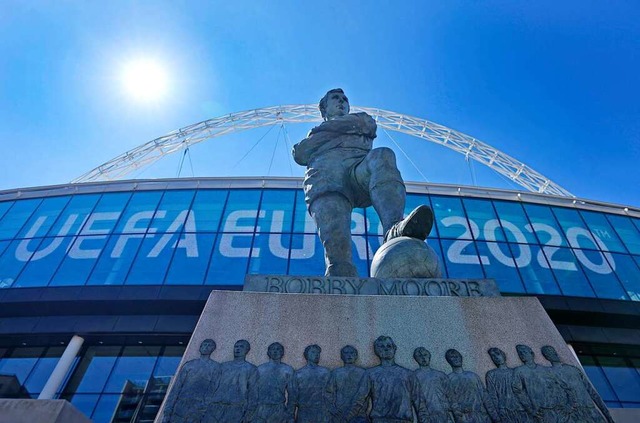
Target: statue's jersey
(391, 390)
(331, 152)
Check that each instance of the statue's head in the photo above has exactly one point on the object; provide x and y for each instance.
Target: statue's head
(334, 104)
(207, 347)
(349, 354)
(241, 348)
(497, 356)
(422, 356)
(384, 348)
(454, 358)
(312, 353)
(550, 354)
(275, 351)
(525, 353)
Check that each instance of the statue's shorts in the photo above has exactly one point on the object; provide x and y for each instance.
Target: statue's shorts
(345, 171)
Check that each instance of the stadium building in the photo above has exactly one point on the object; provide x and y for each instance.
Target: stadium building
(118, 272)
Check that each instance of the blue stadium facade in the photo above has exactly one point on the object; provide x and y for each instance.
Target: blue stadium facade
(128, 266)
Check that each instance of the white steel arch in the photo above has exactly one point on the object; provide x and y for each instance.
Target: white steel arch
(470, 147)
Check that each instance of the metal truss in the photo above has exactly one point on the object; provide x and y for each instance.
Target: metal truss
(471, 148)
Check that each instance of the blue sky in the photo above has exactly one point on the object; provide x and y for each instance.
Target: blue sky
(554, 84)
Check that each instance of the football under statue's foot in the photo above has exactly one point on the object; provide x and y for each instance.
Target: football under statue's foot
(417, 225)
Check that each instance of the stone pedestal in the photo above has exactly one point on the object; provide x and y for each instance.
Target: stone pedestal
(469, 325)
(40, 411)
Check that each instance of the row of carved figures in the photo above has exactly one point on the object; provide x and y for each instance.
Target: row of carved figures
(237, 391)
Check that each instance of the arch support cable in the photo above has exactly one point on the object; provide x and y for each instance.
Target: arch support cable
(466, 145)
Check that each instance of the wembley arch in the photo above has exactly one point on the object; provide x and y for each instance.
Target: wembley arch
(470, 147)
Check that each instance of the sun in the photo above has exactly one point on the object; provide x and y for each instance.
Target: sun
(145, 80)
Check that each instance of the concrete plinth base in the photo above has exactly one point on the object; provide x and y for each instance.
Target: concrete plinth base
(469, 325)
(40, 411)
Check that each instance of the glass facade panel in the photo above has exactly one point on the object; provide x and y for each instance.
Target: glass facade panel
(276, 211)
(172, 212)
(481, 213)
(115, 261)
(307, 255)
(80, 260)
(597, 378)
(624, 380)
(168, 362)
(104, 409)
(12, 262)
(43, 217)
(515, 223)
(75, 215)
(270, 254)
(536, 274)
(627, 232)
(134, 365)
(302, 220)
(44, 262)
(93, 370)
(241, 213)
(189, 265)
(152, 260)
(42, 370)
(136, 218)
(450, 218)
(574, 228)
(545, 226)
(628, 273)
(16, 217)
(106, 214)
(20, 362)
(602, 231)
(4, 206)
(600, 274)
(230, 259)
(568, 272)
(462, 259)
(83, 402)
(207, 209)
(501, 266)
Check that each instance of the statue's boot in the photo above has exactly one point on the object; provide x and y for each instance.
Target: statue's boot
(417, 225)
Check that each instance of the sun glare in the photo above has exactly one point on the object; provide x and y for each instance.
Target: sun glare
(145, 80)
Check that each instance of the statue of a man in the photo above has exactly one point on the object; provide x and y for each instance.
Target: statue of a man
(234, 400)
(275, 380)
(467, 396)
(343, 385)
(344, 172)
(309, 385)
(196, 381)
(544, 396)
(430, 399)
(584, 394)
(389, 386)
(500, 389)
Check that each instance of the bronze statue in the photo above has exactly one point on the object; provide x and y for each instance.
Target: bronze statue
(431, 394)
(500, 389)
(309, 385)
(194, 384)
(343, 385)
(344, 172)
(544, 396)
(234, 400)
(467, 395)
(389, 387)
(583, 393)
(274, 385)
